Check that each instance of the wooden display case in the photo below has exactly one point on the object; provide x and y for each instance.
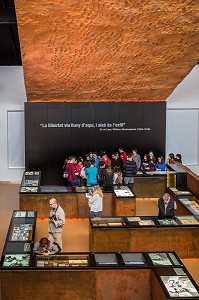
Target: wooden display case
(144, 234)
(131, 275)
(75, 204)
(150, 184)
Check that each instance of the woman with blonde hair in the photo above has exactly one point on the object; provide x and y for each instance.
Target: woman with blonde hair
(95, 201)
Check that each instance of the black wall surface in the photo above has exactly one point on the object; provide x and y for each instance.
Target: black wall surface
(54, 131)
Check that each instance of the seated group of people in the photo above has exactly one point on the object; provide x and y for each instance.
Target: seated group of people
(100, 169)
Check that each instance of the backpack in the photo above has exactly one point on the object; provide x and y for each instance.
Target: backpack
(66, 174)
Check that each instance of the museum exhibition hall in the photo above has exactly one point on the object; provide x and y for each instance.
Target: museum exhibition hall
(99, 177)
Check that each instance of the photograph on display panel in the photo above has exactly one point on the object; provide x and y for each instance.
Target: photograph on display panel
(133, 259)
(163, 259)
(58, 261)
(16, 260)
(21, 232)
(179, 286)
(188, 220)
(106, 259)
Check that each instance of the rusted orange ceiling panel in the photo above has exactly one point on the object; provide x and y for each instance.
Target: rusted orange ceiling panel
(101, 49)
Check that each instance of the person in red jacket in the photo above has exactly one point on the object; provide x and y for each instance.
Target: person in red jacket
(123, 155)
(70, 167)
(105, 159)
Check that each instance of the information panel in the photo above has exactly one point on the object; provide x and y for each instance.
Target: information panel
(54, 131)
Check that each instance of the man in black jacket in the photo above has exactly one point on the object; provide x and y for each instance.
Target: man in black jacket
(130, 169)
(166, 206)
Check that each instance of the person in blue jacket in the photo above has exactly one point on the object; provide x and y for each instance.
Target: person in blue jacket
(91, 174)
(160, 165)
(97, 159)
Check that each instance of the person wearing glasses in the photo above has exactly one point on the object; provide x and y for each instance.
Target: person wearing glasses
(55, 222)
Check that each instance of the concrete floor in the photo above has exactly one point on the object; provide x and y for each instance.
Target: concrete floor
(75, 232)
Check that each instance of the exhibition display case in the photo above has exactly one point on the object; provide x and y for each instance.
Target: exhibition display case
(123, 192)
(145, 233)
(30, 182)
(178, 178)
(120, 201)
(191, 203)
(187, 203)
(177, 283)
(20, 238)
(63, 260)
(124, 201)
(85, 275)
(161, 275)
(141, 221)
(150, 184)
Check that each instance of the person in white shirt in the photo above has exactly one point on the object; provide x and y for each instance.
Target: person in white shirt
(95, 201)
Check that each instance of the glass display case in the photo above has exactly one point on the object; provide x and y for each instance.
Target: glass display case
(178, 192)
(187, 199)
(16, 260)
(106, 259)
(123, 191)
(188, 220)
(108, 222)
(164, 259)
(178, 179)
(168, 222)
(141, 221)
(62, 260)
(20, 237)
(144, 221)
(24, 214)
(30, 182)
(177, 283)
(191, 203)
(16, 247)
(133, 259)
(21, 232)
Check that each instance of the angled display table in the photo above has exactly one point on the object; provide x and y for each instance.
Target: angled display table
(32, 195)
(152, 275)
(95, 276)
(180, 234)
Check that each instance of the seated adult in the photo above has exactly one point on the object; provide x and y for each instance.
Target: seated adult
(45, 247)
(160, 165)
(166, 206)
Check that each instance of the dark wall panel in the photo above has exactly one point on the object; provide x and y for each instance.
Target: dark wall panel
(57, 130)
